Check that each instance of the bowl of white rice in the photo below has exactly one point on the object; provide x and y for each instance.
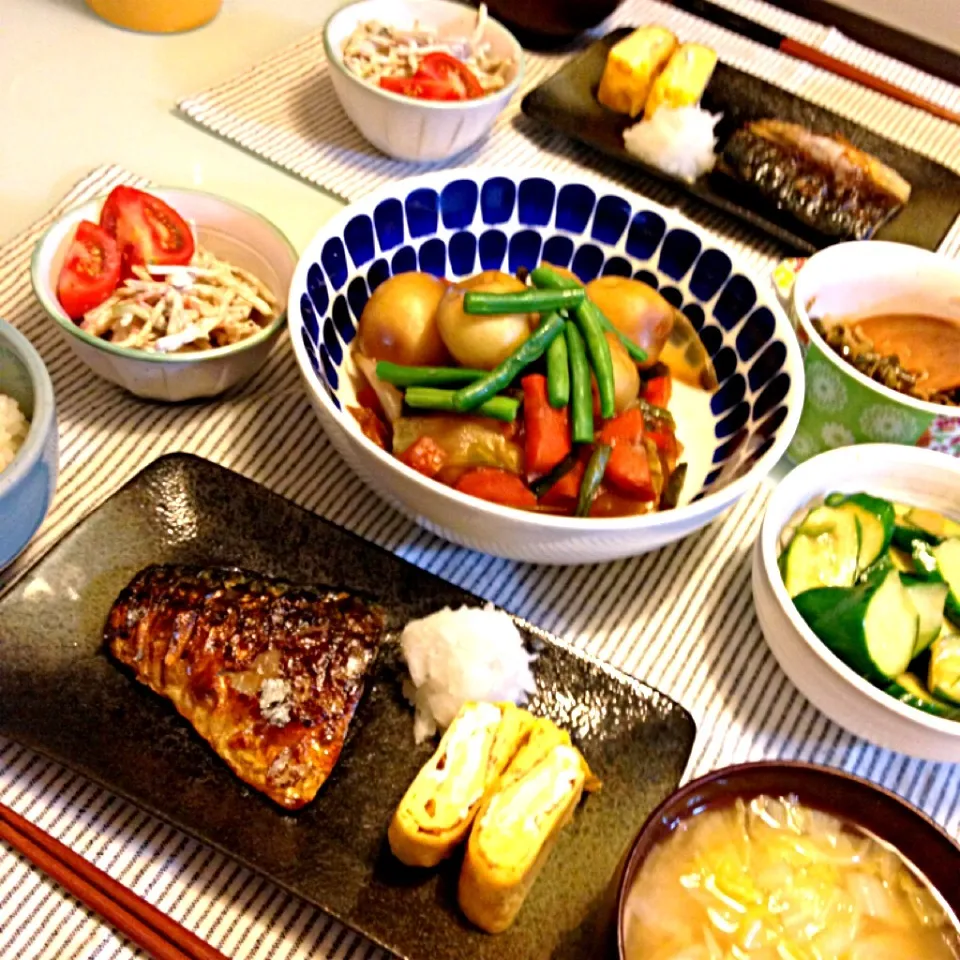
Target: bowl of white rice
(28, 442)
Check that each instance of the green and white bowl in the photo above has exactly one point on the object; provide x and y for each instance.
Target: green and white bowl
(231, 231)
(842, 406)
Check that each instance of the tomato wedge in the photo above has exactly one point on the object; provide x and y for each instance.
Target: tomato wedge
(147, 230)
(421, 88)
(90, 272)
(442, 66)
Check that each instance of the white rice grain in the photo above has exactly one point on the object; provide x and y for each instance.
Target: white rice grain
(14, 427)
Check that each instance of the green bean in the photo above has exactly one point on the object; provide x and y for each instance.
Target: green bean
(401, 376)
(587, 317)
(654, 412)
(429, 398)
(485, 303)
(673, 487)
(592, 478)
(549, 480)
(548, 279)
(581, 399)
(474, 394)
(599, 352)
(558, 374)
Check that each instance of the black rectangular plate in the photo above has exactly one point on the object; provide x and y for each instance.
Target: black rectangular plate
(61, 695)
(568, 103)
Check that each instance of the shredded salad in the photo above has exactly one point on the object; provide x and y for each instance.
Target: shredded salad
(392, 57)
(169, 308)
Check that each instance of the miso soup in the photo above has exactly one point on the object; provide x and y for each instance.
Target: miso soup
(774, 880)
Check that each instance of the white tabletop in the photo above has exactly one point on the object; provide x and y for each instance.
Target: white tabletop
(76, 92)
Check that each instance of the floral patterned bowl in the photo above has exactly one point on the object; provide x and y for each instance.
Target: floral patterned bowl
(842, 406)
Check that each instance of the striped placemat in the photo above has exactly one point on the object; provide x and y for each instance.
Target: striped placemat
(681, 618)
(286, 111)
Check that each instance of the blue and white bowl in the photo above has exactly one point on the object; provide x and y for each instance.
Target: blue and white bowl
(459, 222)
(28, 483)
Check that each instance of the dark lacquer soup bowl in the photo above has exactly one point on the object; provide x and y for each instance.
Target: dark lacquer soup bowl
(859, 803)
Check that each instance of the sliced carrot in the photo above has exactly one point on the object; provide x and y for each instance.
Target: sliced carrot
(372, 427)
(425, 455)
(629, 471)
(367, 397)
(658, 390)
(498, 486)
(665, 441)
(565, 491)
(547, 430)
(627, 428)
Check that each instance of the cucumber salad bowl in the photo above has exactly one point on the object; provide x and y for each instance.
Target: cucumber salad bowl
(856, 580)
(456, 224)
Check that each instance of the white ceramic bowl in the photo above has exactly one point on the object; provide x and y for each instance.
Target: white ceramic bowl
(408, 129)
(229, 230)
(28, 483)
(455, 223)
(842, 405)
(909, 475)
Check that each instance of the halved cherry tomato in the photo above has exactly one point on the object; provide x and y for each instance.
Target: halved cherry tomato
(421, 88)
(147, 229)
(90, 272)
(441, 66)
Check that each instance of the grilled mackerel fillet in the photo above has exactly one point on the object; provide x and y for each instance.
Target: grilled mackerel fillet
(825, 182)
(268, 673)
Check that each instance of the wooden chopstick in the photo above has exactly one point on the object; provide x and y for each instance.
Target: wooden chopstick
(843, 69)
(729, 20)
(156, 933)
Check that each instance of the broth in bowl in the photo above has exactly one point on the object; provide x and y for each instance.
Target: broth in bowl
(773, 879)
(915, 354)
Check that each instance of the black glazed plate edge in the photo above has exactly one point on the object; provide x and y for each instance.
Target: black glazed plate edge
(722, 192)
(82, 766)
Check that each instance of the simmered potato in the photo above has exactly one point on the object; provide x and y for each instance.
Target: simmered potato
(635, 310)
(626, 377)
(399, 321)
(482, 342)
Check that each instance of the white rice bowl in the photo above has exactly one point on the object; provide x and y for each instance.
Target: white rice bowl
(461, 656)
(14, 428)
(677, 140)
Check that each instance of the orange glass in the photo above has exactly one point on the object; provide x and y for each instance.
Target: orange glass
(156, 16)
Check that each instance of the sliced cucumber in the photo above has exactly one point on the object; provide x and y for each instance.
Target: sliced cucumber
(909, 690)
(932, 523)
(901, 559)
(823, 551)
(928, 597)
(942, 564)
(948, 565)
(924, 562)
(871, 627)
(944, 675)
(904, 537)
(876, 519)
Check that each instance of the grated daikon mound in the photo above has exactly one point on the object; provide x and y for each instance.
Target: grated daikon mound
(678, 140)
(458, 656)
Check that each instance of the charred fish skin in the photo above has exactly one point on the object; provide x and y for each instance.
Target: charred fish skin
(268, 672)
(823, 182)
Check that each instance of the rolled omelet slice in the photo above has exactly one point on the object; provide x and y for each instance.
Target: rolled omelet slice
(632, 64)
(683, 80)
(517, 827)
(439, 806)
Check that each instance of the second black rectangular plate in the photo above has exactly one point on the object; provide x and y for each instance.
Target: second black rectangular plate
(62, 695)
(568, 103)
